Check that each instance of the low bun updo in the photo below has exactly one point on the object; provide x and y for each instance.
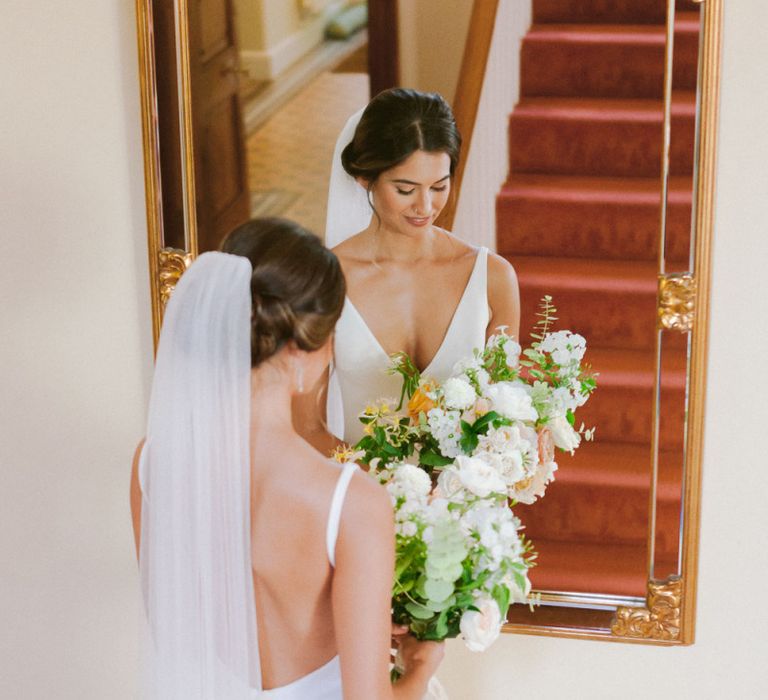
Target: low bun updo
(297, 286)
(395, 124)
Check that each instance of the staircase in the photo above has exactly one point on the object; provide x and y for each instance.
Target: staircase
(578, 218)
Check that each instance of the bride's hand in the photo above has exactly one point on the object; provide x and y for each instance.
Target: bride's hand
(418, 656)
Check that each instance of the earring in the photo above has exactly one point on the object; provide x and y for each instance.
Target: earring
(300, 378)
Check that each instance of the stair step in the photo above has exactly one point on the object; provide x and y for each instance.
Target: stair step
(581, 567)
(602, 137)
(628, 11)
(612, 303)
(622, 408)
(601, 495)
(610, 218)
(603, 60)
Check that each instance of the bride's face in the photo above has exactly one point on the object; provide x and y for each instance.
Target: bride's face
(409, 197)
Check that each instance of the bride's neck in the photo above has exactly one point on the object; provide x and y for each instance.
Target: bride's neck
(270, 404)
(400, 247)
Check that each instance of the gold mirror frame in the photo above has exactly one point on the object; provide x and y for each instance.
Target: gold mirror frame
(667, 616)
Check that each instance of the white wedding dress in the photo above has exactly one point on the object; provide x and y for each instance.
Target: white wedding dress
(359, 373)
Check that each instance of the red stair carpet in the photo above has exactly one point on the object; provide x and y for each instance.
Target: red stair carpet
(579, 219)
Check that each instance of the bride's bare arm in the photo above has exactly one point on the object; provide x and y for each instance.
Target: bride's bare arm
(309, 418)
(503, 296)
(362, 589)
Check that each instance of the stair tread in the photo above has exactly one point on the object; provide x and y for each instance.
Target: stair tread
(640, 190)
(612, 465)
(685, 22)
(605, 108)
(587, 273)
(636, 367)
(620, 569)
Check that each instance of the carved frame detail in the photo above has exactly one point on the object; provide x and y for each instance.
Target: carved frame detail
(676, 302)
(659, 620)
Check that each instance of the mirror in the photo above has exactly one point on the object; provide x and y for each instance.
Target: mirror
(605, 203)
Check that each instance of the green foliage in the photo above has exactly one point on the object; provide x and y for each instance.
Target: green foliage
(545, 319)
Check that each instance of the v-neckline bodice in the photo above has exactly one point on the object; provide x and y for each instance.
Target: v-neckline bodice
(380, 348)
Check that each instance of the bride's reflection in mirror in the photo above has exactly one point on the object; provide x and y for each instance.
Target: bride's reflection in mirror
(578, 217)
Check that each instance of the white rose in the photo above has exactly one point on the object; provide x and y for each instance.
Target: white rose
(480, 629)
(563, 434)
(478, 476)
(459, 393)
(511, 401)
(512, 350)
(450, 485)
(413, 480)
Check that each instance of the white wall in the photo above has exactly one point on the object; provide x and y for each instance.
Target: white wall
(75, 353)
(488, 161)
(75, 361)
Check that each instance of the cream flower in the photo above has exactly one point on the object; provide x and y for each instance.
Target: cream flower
(563, 434)
(459, 393)
(481, 629)
(512, 401)
(479, 477)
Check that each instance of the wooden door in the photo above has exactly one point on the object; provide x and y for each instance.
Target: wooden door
(221, 172)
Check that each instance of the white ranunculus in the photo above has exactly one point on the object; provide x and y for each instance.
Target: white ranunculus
(459, 393)
(511, 401)
(478, 476)
(413, 480)
(481, 629)
(563, 434)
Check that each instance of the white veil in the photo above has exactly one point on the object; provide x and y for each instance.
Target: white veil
(348, 209)
(349, 212)
(195, 557)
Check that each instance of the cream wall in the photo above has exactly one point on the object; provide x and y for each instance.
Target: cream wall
(75, 354)
(75, 362)
(274, 34)
(431, 38)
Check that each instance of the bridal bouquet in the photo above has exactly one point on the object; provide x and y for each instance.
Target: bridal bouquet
(454, 456)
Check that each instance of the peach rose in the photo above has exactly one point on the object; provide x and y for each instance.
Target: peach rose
(546, 446)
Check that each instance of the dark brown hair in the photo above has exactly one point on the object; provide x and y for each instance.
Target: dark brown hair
(297, 285)
(395, 124)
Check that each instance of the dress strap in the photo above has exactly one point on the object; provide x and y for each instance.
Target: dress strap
(334, 517)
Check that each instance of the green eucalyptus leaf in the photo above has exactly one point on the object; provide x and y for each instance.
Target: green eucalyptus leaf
(420, 612)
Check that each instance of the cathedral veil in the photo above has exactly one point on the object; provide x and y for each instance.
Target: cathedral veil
(195, 557)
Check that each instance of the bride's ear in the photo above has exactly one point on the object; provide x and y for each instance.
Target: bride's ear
(363, 182)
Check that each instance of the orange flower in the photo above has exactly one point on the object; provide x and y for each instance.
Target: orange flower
(420, 402)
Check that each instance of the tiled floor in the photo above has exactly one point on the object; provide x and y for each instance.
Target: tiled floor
(289, 158)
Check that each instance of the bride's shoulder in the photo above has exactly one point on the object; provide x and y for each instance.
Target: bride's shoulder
(353, 250)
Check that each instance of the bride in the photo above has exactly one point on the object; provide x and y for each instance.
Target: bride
(236, 518)
(411, 285)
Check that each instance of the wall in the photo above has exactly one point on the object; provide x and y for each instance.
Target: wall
(75, 362)
(488, 162)
(274, 34)
(431, 37)
(75, 354)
